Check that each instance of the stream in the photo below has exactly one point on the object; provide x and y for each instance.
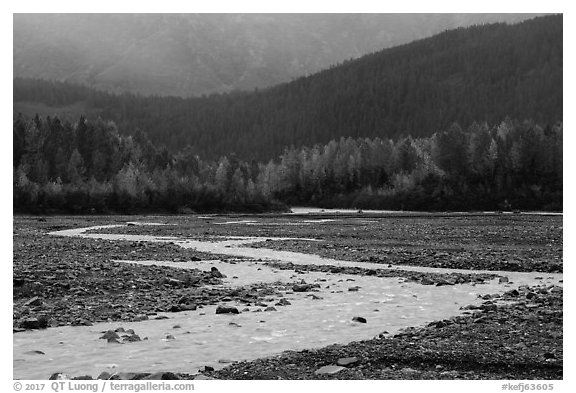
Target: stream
(202, 337)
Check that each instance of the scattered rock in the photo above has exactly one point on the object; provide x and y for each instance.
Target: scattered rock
(408, 370)
(329, 370)
(283, 302)
(226, 310)
(216, 273)
(131, 338)
(347, 362)
(203, 377)
(104, 375)
(34, 323)
(34, 302)
(162, 375)
(59, 376)
(303, 287)
(513, 293)
(35, 353)
(123, 376)
(111, 334)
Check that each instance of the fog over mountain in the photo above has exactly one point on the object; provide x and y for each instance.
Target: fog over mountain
(194, 54)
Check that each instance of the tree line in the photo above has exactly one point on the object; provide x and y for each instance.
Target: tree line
(90, 167)
(477, 73)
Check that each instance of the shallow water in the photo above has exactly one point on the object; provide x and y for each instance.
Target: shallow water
(317, 210)
(204, 338)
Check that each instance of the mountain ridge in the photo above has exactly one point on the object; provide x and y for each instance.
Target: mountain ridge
(481, 73)
(191, 55)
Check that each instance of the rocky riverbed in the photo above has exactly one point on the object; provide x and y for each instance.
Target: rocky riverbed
(517, 335)
(519, 340)
(70, 281)
(82, 281)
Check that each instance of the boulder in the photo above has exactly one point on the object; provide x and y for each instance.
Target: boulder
(270, 309)
(226, 310)
(128, 376)
(329, 370)
(301, 287)
(202, 377)
(442, 282)
(34, 302)
(34, 323)
(163, 375)
(34, 353)
(172, 282)
(184, 300)
(81, 322)
(513, 293)
(59, 376)
(104, 375)
(347, 362)
(216, 273)
(131, 338)
(110, 334)
(359, 319)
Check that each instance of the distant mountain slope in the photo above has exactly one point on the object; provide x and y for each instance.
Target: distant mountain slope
(193, 54)
(481, 73)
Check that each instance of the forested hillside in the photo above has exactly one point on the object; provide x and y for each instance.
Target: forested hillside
(481, 73)
(88, 167)
(192, 54)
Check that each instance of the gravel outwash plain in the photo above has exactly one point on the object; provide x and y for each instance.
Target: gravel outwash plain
(73, 281)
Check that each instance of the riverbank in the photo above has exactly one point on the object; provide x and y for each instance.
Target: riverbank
(78, 280)
(516, 336)
(521, 340)
(51, 273)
